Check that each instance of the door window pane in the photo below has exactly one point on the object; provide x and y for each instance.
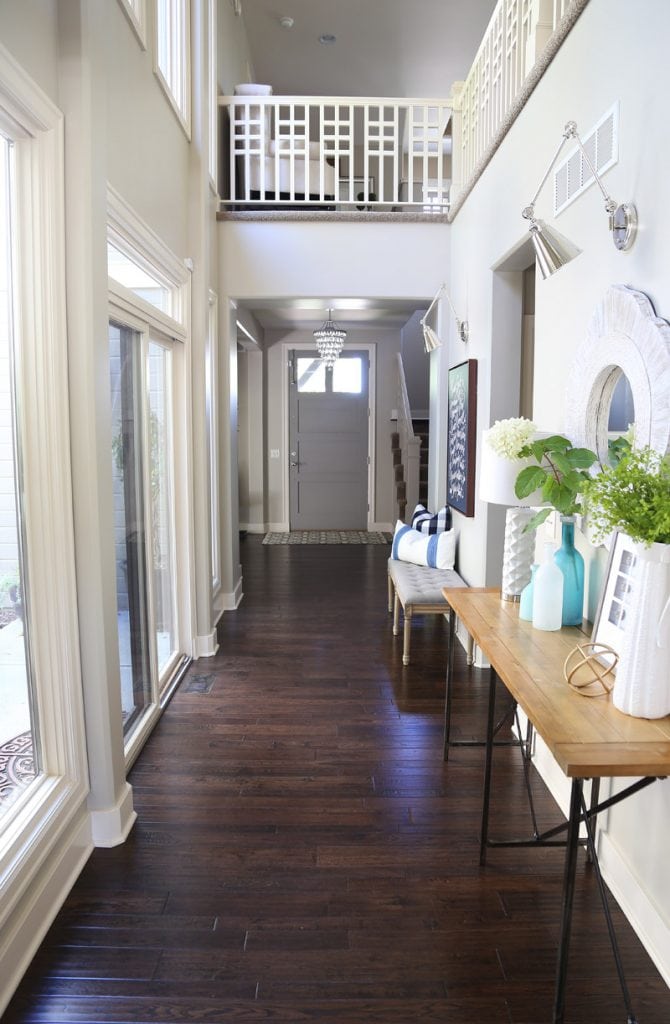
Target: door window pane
(129, 530)
(348, 375)
(161, 503)
(18, 734)
(311, 374)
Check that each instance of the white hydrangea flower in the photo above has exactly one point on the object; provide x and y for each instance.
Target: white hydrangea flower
(507, 437)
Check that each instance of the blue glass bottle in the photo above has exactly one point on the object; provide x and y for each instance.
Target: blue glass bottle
(571, 564)
(526, 603)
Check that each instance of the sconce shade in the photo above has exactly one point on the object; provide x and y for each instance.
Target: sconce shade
(430, 338)
(552, 249)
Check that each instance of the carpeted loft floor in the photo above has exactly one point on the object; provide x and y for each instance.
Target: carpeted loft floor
(328, 537)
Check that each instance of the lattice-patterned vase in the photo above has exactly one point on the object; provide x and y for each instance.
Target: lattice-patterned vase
(642, 686)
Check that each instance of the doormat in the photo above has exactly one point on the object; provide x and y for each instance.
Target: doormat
(328, 537)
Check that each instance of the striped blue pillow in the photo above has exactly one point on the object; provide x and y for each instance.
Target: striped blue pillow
(438, 550)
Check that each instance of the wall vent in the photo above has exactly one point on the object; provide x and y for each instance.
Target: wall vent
(572, 176)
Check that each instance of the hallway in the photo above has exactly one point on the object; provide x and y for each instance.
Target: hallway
(302, 852)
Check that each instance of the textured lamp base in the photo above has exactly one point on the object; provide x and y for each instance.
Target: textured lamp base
(518, 553)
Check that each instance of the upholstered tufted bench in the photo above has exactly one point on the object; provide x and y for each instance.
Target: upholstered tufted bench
(418, 589)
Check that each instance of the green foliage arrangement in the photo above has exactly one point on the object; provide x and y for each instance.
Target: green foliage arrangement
(633, 496)
(561, 475)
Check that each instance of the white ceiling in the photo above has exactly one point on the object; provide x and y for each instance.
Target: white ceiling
(409, 48)
(390, 48)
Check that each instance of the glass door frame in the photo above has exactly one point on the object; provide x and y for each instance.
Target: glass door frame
(128, 311)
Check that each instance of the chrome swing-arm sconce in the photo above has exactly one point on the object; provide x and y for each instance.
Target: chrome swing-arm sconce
(431, 339)
(554, 250)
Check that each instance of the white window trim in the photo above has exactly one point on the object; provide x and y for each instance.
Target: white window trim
(135, 239)
(132, 236)
(183, 62)
(43, 815)
(212, 371)
(213, 100)
(136, 13)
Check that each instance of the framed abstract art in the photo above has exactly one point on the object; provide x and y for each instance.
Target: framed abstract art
(462, 437)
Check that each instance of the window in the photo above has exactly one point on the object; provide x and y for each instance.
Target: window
(19, 749)
(43, 774)
(213, 98)
(173, 55)
(135, 11)
(211, 393)
(148, 290)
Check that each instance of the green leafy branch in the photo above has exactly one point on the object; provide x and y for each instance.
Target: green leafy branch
(561, 476)
(633, 496)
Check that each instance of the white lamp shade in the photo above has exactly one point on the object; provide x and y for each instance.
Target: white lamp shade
(497, 477)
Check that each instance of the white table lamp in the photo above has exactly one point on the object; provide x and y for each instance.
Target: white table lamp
(497, 477)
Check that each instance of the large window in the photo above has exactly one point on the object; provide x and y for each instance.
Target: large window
(19, 751)
(211, 386)
(43, 780)
(173, 65)
(147, 377)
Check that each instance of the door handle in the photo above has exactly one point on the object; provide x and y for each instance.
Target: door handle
(293, 465)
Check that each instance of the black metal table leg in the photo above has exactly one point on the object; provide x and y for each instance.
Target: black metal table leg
(568, 897)
(493, 679)
(449, 683)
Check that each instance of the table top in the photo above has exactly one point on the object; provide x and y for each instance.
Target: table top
(588, 736)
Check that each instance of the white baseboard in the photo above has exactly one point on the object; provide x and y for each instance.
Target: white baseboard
(34, 915)
(206, 646)
(381, 527)
(652, 930)
(254, 527)
(278, 528)
(111, 826)
(230, 600)
(644, 917)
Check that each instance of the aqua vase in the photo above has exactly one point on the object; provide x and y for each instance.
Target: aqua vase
(571, 564)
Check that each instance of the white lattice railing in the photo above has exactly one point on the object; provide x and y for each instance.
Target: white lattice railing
(342, 151)
(516, 37)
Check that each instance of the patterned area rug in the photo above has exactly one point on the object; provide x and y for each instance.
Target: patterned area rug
(17, 768)
(327, 537)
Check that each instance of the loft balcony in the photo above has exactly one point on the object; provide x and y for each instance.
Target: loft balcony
(335, 154)
(357, 157)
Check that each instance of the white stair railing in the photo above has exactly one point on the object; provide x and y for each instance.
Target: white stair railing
(345, 151)
(518, 34)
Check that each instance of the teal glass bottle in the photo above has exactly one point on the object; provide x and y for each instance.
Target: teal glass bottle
(526, 603)
(571, 564)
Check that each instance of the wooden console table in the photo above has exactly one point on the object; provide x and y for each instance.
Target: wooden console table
(588, 737)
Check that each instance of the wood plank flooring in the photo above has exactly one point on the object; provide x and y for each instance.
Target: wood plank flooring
(302, 852)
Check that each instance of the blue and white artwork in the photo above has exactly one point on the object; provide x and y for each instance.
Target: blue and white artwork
(461, 438)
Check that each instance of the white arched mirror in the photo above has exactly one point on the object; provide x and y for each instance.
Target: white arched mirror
(621, 369)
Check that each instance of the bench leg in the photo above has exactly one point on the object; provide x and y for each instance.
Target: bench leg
(406, 638)
(396, 614)
(390, 592)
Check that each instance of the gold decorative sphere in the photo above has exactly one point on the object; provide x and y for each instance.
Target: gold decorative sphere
(589, 669)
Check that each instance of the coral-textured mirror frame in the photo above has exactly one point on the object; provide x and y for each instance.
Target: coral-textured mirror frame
(624, 335)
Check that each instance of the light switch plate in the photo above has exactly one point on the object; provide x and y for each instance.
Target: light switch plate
(274, 453)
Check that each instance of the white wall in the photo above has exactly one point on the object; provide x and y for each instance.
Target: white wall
(416, 364)
(581, 84)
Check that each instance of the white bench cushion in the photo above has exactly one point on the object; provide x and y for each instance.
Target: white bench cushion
(420, 586)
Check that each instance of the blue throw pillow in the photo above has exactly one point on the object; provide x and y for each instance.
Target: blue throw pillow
(437, 550)
(426, 522)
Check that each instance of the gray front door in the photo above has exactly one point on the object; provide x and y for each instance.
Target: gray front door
(328, 442)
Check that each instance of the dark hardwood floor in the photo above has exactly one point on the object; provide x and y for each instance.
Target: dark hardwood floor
(302, 852)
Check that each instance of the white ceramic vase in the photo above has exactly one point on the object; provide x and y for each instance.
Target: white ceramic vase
(642, 686)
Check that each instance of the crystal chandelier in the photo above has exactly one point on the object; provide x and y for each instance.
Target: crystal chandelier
(329, 341)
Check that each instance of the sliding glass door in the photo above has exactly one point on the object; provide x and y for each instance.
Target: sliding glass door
(142, 468)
